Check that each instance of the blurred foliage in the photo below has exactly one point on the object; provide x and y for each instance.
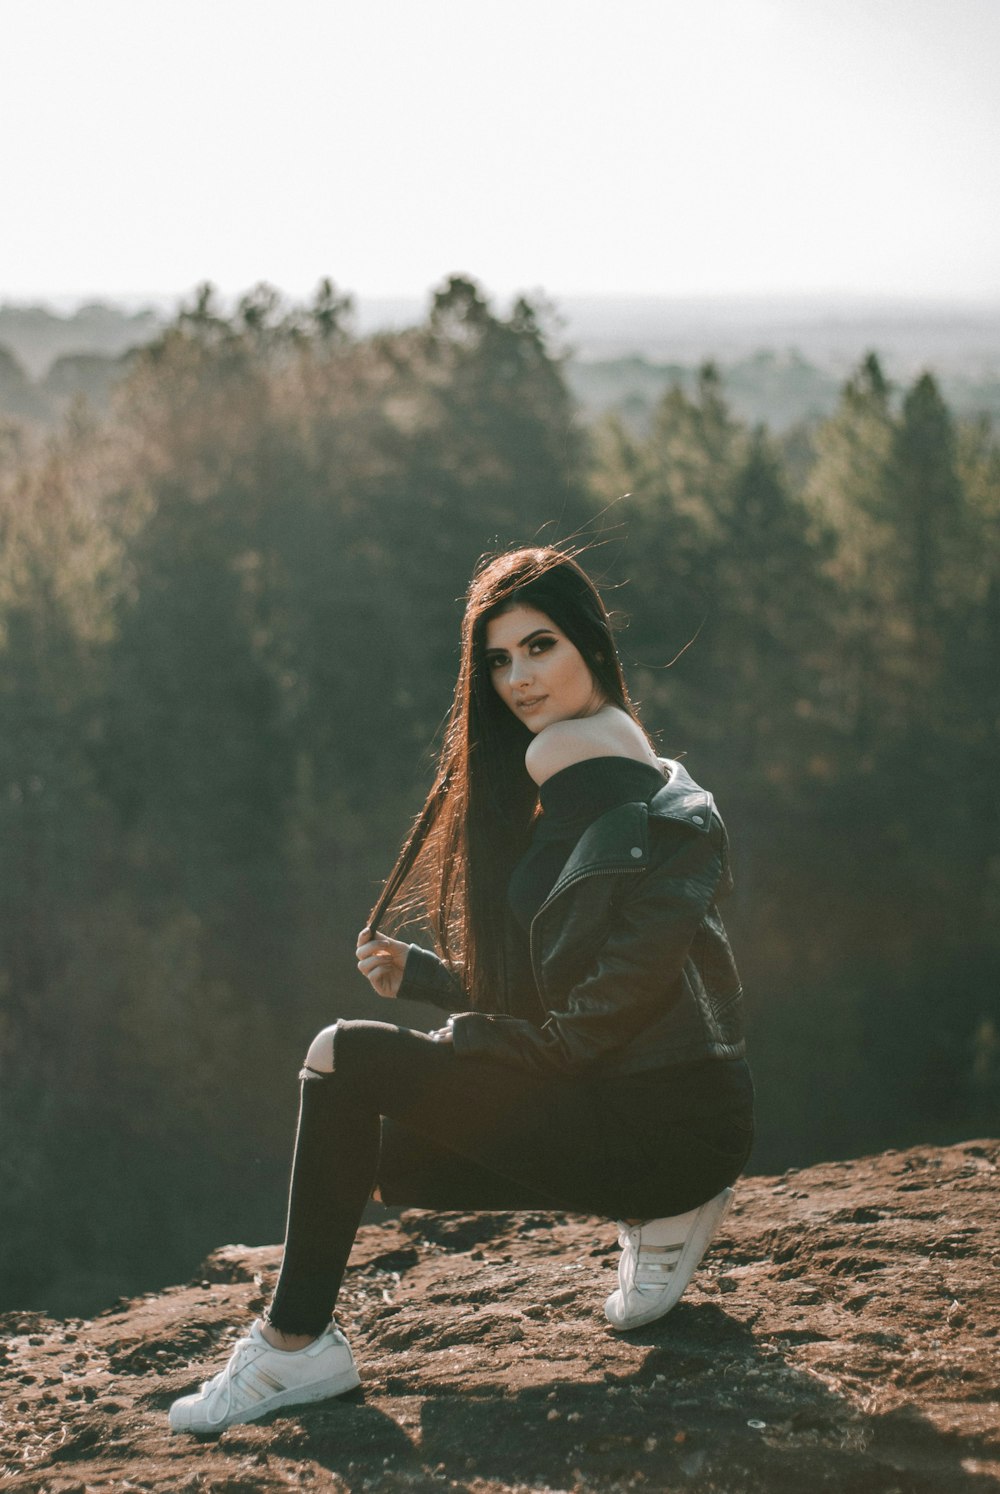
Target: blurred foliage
(229, 614)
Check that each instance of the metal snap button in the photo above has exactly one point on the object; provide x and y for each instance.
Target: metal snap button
(636, 851)
(697, 819)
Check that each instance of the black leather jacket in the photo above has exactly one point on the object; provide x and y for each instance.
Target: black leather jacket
(631, 964)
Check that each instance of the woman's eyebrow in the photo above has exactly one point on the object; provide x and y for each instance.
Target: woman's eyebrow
(522, 642)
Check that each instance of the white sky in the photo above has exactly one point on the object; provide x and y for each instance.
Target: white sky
(667, 147)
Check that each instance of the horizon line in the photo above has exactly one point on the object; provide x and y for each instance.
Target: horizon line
(71, 303)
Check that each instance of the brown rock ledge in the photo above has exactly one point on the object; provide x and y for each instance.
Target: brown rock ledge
(842, 1334)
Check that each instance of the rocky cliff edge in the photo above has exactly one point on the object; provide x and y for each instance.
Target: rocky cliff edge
(842, 1334)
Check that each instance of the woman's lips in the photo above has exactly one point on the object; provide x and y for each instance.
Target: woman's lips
(529, 705)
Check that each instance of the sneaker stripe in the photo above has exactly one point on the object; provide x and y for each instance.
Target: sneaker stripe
(268, 1379)
(257, 1382)
(244, 1386)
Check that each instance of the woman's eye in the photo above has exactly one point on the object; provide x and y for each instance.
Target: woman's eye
(496, 660)
(541, 645)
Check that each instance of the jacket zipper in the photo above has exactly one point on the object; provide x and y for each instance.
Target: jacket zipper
(608, 871)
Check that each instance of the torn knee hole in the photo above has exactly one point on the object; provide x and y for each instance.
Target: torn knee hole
(320, 1055)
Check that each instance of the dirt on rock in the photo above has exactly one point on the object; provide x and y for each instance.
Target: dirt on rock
(842, 1334)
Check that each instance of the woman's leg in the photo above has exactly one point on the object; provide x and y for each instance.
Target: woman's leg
(545, 1134)
(333, 1171)
(415, 1172)
(361, 1004)
(554, 1141)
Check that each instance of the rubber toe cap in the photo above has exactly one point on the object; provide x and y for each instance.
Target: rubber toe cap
(183, 1416)
(614, 1309)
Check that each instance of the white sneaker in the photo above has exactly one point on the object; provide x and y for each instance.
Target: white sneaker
(258, 1379)
(658, 1260)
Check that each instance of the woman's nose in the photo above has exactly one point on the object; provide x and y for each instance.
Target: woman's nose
(520, 671)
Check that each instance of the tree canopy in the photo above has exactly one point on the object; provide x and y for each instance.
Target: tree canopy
(229, 611)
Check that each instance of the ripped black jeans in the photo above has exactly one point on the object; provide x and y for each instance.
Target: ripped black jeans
(434, 1130)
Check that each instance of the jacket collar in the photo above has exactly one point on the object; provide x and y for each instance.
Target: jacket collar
(619, 838)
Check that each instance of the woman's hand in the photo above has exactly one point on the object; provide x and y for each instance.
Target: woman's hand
(381, 962)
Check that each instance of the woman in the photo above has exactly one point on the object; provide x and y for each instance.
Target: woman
(592, 1056)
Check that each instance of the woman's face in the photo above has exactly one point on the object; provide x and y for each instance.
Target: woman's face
(537, 672)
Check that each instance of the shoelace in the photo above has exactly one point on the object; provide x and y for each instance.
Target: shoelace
(231, 1369)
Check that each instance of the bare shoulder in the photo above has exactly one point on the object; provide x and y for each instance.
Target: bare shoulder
(610, 732)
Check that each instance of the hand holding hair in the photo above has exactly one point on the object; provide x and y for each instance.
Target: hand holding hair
(381, 961)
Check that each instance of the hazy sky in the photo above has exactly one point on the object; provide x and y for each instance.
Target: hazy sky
(610, 146)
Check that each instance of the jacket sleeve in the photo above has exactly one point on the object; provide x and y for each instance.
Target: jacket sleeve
(635, 976)
(426, 978)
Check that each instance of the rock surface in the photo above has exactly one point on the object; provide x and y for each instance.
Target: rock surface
(842, 1334)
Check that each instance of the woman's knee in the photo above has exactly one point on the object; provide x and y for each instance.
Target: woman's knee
(320, 1055)
(370, 1053)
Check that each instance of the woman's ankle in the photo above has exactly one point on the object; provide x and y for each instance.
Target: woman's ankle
(288, 1343)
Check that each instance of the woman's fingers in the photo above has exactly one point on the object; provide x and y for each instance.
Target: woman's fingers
(377, 956)
(381, 961)
(367, 946)
(381, 975)
(366, 936)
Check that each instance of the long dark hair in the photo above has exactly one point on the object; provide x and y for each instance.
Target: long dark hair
(454, 866)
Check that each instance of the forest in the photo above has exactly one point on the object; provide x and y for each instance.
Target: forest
(229, 609)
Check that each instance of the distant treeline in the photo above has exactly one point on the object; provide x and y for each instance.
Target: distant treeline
(228, 625)
(50, 362)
